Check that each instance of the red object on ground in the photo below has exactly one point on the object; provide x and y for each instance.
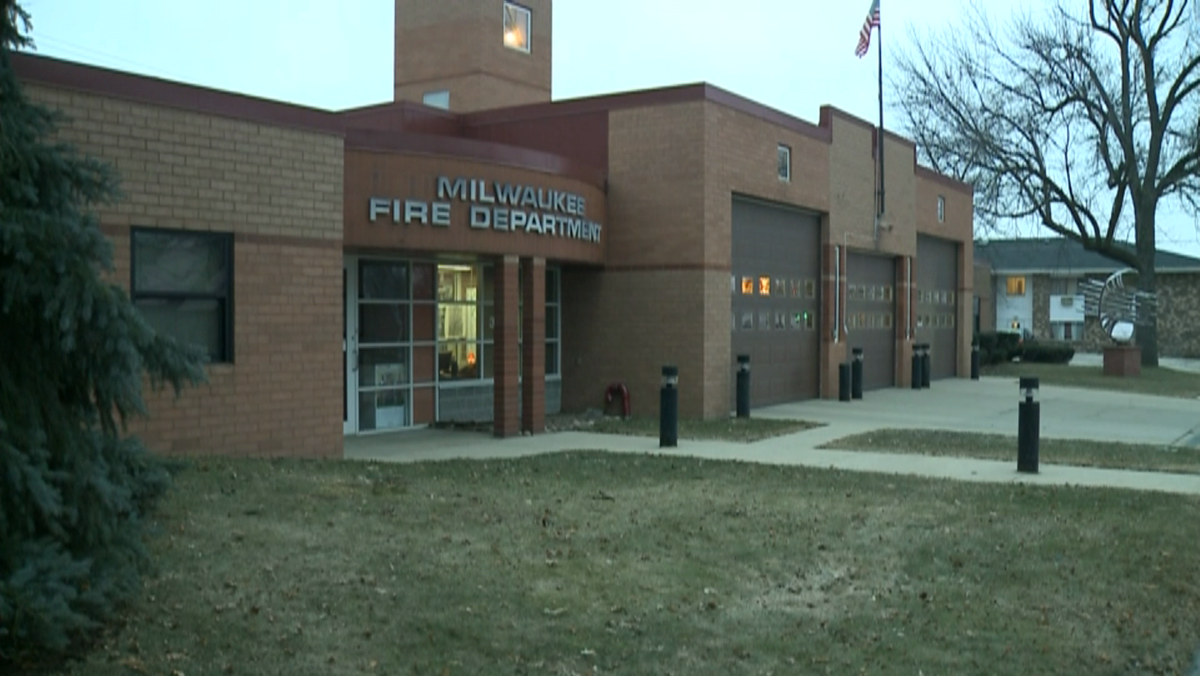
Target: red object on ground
(618, 389)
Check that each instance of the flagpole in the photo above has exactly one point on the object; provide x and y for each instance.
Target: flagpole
(879, 27)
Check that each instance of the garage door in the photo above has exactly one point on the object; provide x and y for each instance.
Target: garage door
(776, 280)
(871, 316)
(937, 303)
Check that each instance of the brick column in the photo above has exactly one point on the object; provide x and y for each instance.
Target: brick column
(904, 313)
(506, 415)
(533, 370)
(833, 276)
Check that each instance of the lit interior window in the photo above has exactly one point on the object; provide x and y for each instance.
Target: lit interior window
(517, 25)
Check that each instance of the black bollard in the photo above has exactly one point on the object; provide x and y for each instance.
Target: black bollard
(668, 408)
(916, 366)
(925, 368)
(743, 386)
(974, 361)
(856, 374)
(1028, 422)
(843, 382)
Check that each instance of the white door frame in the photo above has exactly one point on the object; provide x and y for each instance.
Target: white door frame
(350, 343)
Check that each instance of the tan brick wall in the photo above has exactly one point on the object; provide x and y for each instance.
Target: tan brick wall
(957, 225)
(279, 191)
(623, 326)
(459, 45)
(670, 244)
(472, 92)
(741, 158)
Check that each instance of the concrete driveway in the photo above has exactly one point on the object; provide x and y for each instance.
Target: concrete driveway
(990, 405)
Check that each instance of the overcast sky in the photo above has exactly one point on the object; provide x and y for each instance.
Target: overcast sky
(794, 55)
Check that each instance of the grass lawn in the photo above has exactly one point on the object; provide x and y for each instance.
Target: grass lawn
(590, 563)
(1000, 447)
(723, 429)
(1160, 381)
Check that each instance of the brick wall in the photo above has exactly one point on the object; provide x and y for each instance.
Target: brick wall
(957, 224)
(278, 190)
(1178, 308)
(625, 323)
(623, 326)
(985, 292)
(458, 45)
(741, 159)
(1039, 286)
(1179, 314)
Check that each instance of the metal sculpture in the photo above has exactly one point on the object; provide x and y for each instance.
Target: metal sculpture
(1119, 308)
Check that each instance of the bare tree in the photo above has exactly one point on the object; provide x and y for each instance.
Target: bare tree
(1083, 120)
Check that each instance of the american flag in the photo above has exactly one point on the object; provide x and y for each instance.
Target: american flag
(864, 35)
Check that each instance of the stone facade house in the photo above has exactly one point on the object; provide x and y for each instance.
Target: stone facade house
(1033, 285)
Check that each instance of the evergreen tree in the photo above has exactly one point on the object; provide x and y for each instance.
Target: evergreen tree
(74, 488)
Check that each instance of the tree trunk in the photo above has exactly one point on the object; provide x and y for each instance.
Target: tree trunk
(1147, 333)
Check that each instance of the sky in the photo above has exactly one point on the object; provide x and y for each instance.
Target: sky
(793, 55)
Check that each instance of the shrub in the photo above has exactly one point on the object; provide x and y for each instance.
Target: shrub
(1047, 352)
(998, 346)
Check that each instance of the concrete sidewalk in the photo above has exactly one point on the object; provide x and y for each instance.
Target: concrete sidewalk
(987, 405)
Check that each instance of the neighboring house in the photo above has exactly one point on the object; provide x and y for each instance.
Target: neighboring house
(1035, 288)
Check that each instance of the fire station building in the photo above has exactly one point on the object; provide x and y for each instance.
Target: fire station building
(475, 251)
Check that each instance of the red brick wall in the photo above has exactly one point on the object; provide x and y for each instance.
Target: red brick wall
(279, 192)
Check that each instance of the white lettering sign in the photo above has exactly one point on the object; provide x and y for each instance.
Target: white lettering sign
(496, 206)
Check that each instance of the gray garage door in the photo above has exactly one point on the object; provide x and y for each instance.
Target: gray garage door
(776, 281)
(937, 303)
(871, 316)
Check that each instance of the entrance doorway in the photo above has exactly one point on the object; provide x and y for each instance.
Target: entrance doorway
(377, 344)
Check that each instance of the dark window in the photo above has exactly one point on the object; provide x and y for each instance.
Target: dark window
(183, 286)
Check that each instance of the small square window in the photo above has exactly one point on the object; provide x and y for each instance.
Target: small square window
(438, 99)
(517, 24)
(1015, 286)
(941, 209)
(747, 286)
(764, 286)
(784, 159)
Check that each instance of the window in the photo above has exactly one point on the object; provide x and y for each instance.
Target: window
(458, 322)
(784, 160)
(1063, 286)
(438, 99)
(553, 323)
(517, 25)
(1015, 286)
(386, 324)
(183, 285)
(941, 209)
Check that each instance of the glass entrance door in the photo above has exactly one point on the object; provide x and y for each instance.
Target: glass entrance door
(379, 345)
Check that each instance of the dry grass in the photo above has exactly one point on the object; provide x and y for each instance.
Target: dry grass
(744, 430)
(1161, 381)
(1077, 452)
(590, 563)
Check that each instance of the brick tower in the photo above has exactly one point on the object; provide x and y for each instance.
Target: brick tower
(468, 55)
